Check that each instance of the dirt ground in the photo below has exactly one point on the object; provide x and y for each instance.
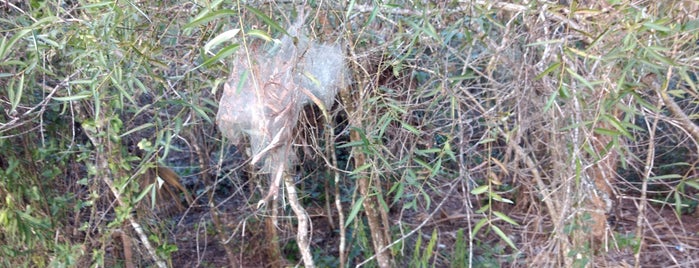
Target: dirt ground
(669, 242)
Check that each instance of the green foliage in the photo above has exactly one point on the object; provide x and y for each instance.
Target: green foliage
(515, 104)
(77, 82)
(459, 254)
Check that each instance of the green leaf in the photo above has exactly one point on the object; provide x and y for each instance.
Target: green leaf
(423, 164)
(478, 227)
(259, 34)
(578, 77)
(360, 169)
(550, 101)
(430, 247)
(503, 236)
(483, 209)
(16, 95)
(694, 184)
(655, 26)
(79, 96)
(143, 193)
(225, 52)
(428, 151)
(499, 198)
(206, 17)
(222, 37)
(468, 75)
(657, 56)
(436, 168)
(607, 132)
(200, 111)
(350, 6)
(351, 144)
(271, 23)
(480, 190)
(505, 218)
(617, 124)
(354, 211)
(6, 47)
(666, 177)
(551, 68)
(138, 128)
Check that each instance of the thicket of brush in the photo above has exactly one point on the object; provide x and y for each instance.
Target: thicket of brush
(471, 133)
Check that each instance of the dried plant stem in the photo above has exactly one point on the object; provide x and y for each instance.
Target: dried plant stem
(330, 150)
(678, 114)
(103, 165)
(556, 218)
(650, 156)
(104, 174)
(302, 234)
(270, 221)
(126, 243)
(272, 235)
(218, 224)
(370, 204)
(422, 224)
(341, 216)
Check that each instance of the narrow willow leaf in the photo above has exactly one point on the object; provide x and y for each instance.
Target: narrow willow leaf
(550, 101)
(355, 209)
(551, 68)
(480, 189)
(360, 169)
(429, 251)
(582, 53)
(397, 108)
(694, 184)
(400, 191)
(79, 96)
(458, 254)
(499, 198)
(351, 144)
(484, 141)
(259, 34)
(468, 75)
(657, 56)
(143, 193)
(350, 6)
(656, 26)
(504, 236)
(616, 124)
(505, 218)
(428, 151)
(415, 261)
(136, 129)
(436, 168)
(225, 52)
(478, 227)
(223, 37)
(578, 77)
(665, 177)
(423, 164)
(140, 11)
(269, 21)
(200, 111)
(209, 17)
(7, 46)
(17, 94)
(483, 209)
(607, 132)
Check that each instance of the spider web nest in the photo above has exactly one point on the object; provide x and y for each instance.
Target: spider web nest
(268, 87)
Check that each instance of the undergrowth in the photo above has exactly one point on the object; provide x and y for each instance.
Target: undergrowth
(471, 134)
